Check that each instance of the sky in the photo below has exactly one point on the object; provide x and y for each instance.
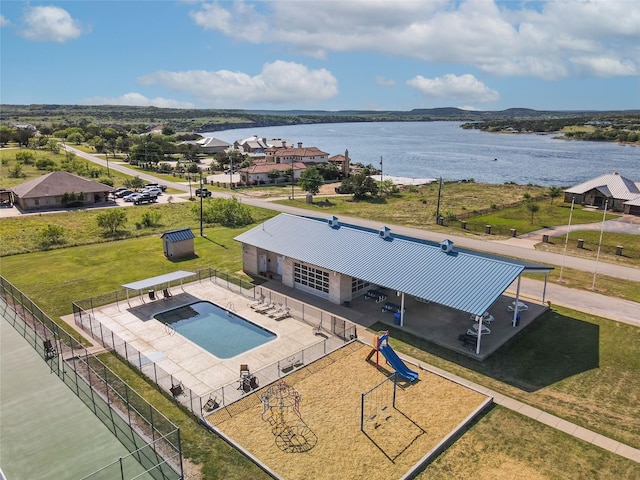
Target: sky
(323, 54)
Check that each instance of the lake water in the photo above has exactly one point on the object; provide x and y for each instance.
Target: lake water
(443, 149)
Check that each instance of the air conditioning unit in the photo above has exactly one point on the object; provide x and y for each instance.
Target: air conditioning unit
(384, 232)
(333, 222)
(446, 246)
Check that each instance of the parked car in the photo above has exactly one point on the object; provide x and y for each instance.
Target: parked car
(152, 191)
(145, 198)
(122, 193)
(157, 185)
(132, 197)
(203, 192)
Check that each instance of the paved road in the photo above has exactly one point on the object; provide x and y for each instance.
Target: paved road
(582, 300)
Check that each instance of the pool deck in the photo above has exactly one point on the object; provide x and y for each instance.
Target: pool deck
(196, 368)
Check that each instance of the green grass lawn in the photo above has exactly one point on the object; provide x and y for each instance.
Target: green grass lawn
(549, 215)
(504, 445)
(20, 234)
(579, 367)
(416, 206)
(56, 278)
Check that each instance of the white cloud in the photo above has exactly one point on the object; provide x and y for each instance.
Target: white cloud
(385, 82)
(3, 21)
(137, 100)
(604, 66)
(465, 88)
(538, 39)
(278, 83)
(50, 24)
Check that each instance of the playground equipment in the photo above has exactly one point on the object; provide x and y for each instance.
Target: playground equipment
(381, 345)
(281, 409)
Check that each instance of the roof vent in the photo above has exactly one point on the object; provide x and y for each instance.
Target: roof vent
(384, 232)
(446, 246)
(333, 222)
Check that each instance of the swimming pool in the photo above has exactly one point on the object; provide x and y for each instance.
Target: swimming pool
(219, 331)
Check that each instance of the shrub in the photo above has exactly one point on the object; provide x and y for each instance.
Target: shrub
(45, 164)
(51, 235)
(228, 212)
(149, 220)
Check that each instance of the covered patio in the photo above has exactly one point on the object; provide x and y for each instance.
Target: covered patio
(433, 322)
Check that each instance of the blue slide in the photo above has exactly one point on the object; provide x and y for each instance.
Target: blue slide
(396, 362)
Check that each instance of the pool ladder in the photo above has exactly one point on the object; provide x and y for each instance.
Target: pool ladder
(230, 307)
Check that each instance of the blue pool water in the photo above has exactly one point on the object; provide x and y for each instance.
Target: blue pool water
(220, 332)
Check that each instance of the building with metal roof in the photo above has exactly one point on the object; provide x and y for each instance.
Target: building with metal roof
(340, 262)
(620, 193)
(178, 243)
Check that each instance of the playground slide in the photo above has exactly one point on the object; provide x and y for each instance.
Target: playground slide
(396, 362)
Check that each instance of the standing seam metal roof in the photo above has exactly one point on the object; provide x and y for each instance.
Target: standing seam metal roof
(178, 235)
(460, 279)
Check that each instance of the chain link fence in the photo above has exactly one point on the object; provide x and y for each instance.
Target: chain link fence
(152, 439)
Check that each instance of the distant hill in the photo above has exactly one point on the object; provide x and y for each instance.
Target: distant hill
(201, 120)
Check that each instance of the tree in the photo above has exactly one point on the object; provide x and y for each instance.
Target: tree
(228, 212)
(554, 192)
(274, 174)
(311, 180)
(112, 219)
(386, 188)
(134, 183)
(51, 235)
(76, 138)
(533, 208)
(6, 134)
(147, 152)
(360, 185)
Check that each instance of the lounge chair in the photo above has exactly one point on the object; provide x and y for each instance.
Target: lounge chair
(282, 315)
(266, 308)
(258, 302)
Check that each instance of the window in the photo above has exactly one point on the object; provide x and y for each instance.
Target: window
(311, 277)
(358, 284)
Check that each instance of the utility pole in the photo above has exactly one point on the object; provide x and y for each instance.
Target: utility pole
(201, 196)
(438, 207)
(293, 176)
(230, 172)
(381, 169)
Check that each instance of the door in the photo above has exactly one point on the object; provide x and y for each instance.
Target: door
(280, 262)
(262, 263)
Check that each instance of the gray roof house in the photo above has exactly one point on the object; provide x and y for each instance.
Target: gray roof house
(60, 190)
(622, 194)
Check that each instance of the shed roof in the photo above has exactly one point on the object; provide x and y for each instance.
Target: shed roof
(159, 280)
(460, 279)
(178, 235)
(56, 184)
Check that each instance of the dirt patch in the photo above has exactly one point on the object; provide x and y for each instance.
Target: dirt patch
(322, 439)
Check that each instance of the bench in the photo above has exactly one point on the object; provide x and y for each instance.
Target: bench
(391, 307)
